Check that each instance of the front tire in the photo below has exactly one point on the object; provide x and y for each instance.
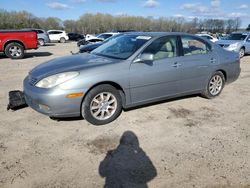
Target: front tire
(215, 85)
(14, 51)
(242, 52)
(102, 105)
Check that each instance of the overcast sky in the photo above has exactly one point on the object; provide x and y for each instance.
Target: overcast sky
(73, 9)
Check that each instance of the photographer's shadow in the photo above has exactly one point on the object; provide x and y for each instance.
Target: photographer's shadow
(127, 166)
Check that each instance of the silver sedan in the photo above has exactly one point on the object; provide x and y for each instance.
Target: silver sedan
(127, 71)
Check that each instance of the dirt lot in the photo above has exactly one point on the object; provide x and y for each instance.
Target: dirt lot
(190, 142)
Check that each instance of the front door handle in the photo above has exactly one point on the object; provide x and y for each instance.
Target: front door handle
(176, 65)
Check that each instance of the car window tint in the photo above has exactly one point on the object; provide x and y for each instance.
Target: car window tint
(193, 46)
(121, 47)
(39, 31)
(104, 36)
(162, 48)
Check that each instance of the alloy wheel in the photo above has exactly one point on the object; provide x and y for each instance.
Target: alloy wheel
(15, 51)
(103, 106)
(215, 85)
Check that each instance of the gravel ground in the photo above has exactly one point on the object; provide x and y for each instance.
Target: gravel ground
(188, 142)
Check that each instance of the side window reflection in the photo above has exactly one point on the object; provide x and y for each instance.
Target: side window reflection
(162, 48)
(192, 46)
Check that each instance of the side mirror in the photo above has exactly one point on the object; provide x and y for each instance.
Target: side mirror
(146, 57)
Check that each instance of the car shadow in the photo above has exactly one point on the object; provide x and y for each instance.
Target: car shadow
(47, 44)
(131, 108)
(128, 165)
(37, 54)
(67, 118)
(3, 56)
(29, 55)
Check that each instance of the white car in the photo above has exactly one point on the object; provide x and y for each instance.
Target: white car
(58, 36)
(105, 36)
(209, 37)
(102, 36)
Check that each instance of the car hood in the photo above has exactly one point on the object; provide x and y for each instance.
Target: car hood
(69, 63)
(227, 42)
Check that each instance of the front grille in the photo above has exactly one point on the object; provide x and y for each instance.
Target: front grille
(32, 80)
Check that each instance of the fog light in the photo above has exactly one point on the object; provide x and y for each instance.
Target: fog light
(44, 107)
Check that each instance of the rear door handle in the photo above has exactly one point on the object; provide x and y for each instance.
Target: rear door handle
(176, 65)
(212, 60)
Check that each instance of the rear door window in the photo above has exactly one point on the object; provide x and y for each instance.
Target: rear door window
(58, 32)
(38, 31)
(194, 46)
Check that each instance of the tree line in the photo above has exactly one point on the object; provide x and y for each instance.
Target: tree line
(98, 23)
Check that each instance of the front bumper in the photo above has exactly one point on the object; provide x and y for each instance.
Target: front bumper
(52, 102)
(233, 49)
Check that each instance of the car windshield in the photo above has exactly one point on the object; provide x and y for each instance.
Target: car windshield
(121, 47)
(236, 36)
(104, 36)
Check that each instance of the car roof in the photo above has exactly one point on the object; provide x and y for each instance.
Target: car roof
(203, 34)
(108, 33)
(157, 34)
(56, 30)
(243, 33)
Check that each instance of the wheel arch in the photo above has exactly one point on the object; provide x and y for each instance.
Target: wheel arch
(114, 84)
(14, 41)
(223, 72)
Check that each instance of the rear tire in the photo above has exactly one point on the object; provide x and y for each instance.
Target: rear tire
(62, 40)
(214, 86)
(102, 105)
(14, 51)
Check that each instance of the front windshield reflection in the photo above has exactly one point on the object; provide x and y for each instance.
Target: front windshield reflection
(121, 47)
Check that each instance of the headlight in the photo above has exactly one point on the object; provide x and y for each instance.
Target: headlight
(54, 80)
(234, 45)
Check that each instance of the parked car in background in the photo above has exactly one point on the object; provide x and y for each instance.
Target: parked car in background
(42, 37)
(13, 43)
(90, 47)
(58, 36)
(90, 39)
(209, 37)
(75, 36)
(238, 42)
(131, 70)
(105, 36)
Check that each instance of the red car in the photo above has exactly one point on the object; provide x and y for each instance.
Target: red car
(13, 43)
